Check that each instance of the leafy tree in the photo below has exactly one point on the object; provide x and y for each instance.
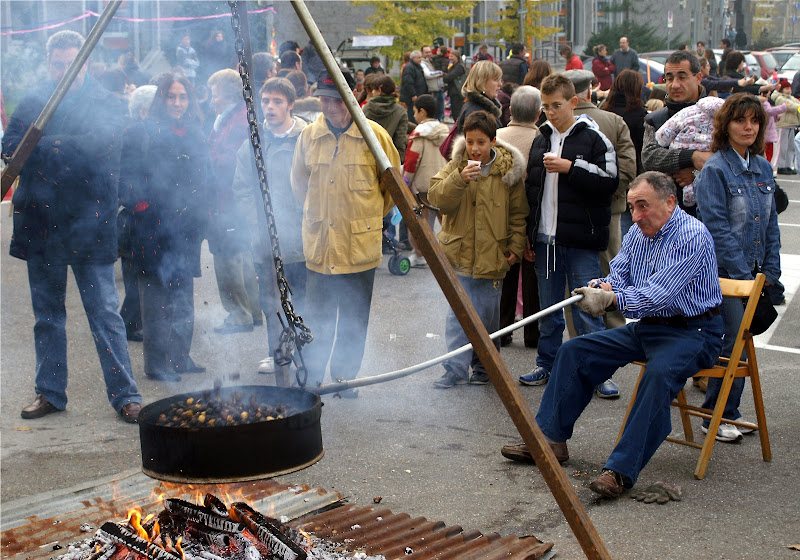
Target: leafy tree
(505, 26)
(642, 38)
(414, 23)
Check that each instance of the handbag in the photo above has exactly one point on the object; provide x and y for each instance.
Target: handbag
(447, 145)
(781, 199)
(765, 313)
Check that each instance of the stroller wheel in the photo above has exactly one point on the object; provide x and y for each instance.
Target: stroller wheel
(393, 266)
(403, 266)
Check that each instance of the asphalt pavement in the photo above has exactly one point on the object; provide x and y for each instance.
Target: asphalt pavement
(429, 452)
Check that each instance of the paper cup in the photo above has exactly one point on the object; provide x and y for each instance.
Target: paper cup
(473, 161)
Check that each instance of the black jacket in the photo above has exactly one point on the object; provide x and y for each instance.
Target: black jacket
(584, 194)
(65, 208)
(635, 121)
(412, 83)
(515, 67)
(478, 102)
(164, 180)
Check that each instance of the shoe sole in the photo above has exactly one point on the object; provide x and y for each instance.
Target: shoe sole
(520, 457)
(723, 439)
(604, 396)
(478, 382)
(533, 383)
(440, 385)
(604, 491)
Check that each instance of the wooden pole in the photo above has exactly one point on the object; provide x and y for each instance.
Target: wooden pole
(506, 387)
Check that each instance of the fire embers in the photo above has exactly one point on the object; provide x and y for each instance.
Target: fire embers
(211, 410)
(185, 531)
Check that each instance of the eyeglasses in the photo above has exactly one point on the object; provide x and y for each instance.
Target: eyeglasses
(552, 108)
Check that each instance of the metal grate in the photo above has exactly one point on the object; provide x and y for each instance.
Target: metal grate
(33, 526)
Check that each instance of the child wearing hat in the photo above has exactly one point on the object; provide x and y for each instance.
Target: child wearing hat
(787, 126)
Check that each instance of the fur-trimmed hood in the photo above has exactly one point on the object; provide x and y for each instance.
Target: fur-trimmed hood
(508, 163)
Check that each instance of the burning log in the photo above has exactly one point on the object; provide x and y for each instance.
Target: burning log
(136, 543)
(104, 552)
(267, 532)
(202, 516)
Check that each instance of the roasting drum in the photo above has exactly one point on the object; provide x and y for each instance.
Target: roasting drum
(233, 453)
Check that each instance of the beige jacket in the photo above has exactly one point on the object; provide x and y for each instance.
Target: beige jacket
(338, 184)
(792, 115)
(614, 128)
(484, 220)
(423, 159)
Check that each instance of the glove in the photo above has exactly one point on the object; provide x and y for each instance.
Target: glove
(596, 301)
(660, 493)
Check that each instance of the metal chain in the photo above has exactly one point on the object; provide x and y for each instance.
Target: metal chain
(295, 334)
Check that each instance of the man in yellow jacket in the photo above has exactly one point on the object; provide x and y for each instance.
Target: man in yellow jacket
(336, 179)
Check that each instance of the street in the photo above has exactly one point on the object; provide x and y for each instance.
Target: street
(429, 452)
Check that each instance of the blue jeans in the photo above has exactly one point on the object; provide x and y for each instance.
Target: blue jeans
(555, 271)
(732, 313)
(439, 96)
(673, 355)
(485, 295)
(48, 284)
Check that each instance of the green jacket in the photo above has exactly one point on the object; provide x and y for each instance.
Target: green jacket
(484, 220)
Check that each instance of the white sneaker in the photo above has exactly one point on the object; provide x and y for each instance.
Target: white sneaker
(726, 432)
(267, 365)
(417, 260)
(742, 429)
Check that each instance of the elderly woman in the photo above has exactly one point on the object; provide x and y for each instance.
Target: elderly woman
(483, 82)
(735, 201)
(163, 178)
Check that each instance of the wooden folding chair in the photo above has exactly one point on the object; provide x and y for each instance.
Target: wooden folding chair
(727, 369)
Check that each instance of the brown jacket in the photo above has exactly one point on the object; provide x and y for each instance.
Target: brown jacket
(484, 220)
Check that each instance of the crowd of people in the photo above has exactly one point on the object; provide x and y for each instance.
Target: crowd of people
(539, 188)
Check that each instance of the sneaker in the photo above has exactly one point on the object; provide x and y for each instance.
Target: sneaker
(450, 379)
(417, 261)
(609, 484)
(267, 365)
(745, 431)
(607, 390)
(479, 378)
(538, 376)
(726, 432)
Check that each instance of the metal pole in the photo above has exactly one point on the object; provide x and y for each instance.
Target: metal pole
(506, 387)
(35, 131)
(392, 375)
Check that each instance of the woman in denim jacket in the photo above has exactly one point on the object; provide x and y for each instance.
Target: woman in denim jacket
(735, 202)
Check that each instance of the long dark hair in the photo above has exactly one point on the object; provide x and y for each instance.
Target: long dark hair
(158, 110)
(540, 69)
(738, 106)
(630, 84)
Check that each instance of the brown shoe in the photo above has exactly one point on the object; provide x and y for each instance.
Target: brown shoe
(38, 408)
(521, 454)
(608, 484)
(130, 412)
(701, 383)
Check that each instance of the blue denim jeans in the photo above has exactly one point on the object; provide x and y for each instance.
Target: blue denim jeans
(48, 284)
(556, 268)
(485, 295)
(673, 355)
(732, 313)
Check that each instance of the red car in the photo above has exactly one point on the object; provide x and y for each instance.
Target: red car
(767, 62)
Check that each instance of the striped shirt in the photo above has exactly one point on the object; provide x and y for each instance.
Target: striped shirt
(672, 273)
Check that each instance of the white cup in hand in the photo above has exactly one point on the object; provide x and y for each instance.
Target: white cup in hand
(473, 162)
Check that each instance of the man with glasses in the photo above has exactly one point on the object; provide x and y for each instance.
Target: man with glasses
(572, 175)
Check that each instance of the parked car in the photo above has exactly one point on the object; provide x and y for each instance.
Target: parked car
(656, 74)
(790, 67)
(767, 62)
(751, 65)
(656, 56)
(782, 54)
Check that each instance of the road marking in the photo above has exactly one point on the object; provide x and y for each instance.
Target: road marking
(788, 225)
(778, 348)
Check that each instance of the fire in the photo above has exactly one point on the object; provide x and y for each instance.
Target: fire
(178, 547)
(309, 543)
(134, 520)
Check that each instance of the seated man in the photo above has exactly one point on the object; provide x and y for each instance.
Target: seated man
(665, 275)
